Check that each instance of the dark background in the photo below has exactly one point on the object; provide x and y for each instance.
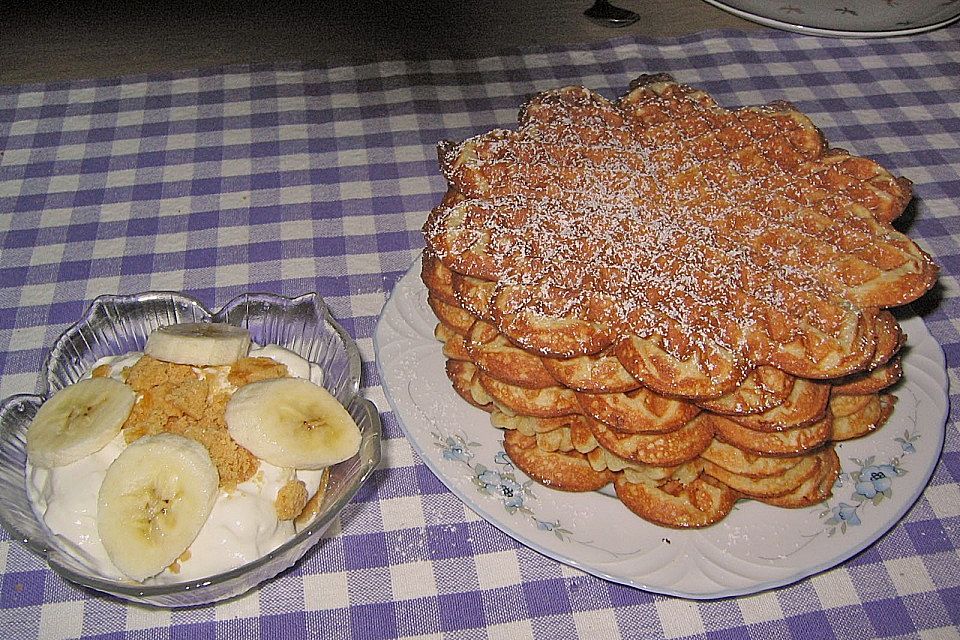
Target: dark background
(44, 42)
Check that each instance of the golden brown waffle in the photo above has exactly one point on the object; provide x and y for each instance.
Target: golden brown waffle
(765, 486)
(565, 433)
(764, 388)
(532, 426)
(806, 403)
(659, 449)
(500, 359)
(814, 489)
(564, 470)
(474, 294)
(453, 316)
(772, 260)
(545, 402)
(684, 300)
(856, 416)
(691, 498)
(463, 377)
(638, 411)
(438, 279)
(453, 346)
(870, 381)
(742, 463)
(775, 443)
(601, 372)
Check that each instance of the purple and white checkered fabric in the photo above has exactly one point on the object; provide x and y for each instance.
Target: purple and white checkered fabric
(290, 180)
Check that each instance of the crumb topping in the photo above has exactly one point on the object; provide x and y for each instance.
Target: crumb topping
(291, 499)
(191, 402)
(247, 370)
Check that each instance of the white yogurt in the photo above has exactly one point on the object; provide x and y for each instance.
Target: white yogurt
(297, 366)
(242, 526)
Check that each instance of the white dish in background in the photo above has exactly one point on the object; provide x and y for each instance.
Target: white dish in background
(849, 18)
(756, 547)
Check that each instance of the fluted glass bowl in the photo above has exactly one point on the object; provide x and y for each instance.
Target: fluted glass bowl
(114, 325)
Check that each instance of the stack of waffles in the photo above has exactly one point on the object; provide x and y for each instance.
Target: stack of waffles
(685, 301)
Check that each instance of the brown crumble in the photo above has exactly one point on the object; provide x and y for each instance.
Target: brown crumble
(188, 401)
(291, 499)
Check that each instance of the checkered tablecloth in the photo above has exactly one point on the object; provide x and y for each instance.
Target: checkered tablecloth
(289, 180)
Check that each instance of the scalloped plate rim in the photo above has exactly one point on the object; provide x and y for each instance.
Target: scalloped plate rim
(731, 7)
(389, 314)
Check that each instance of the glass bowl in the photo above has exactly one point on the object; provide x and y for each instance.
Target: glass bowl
(114, 325)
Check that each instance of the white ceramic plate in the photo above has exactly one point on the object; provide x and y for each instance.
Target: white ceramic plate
(846, 18)
(755, 548)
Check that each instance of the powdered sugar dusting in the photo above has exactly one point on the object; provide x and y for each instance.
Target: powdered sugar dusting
(665, 215)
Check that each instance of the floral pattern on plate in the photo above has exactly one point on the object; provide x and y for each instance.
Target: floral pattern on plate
(755, 548)
(499, 482)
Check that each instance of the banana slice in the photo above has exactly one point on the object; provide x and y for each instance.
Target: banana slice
(201, 344)
(78, 420)
(155, 498)
(291, 422)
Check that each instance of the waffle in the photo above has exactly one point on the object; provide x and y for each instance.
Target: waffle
(775, 443)
(683, 300)
(438, 280)
(453, 316)
(763, 389)
(806, 404)
(453, 347)
(545, 402)
(856, 416)
(499, 358)
(577, 226)
(814, 489)
(564, 470)
(742, 463)
(474, 294)
(565, 433)
(698, 500)
(601, 372)
(772, 486)
(870, 381)
(463, 376)
(638, 411)
(659, 449)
